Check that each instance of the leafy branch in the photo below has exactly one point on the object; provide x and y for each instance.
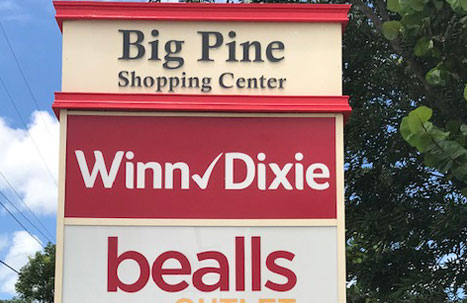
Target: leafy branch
(444, 149)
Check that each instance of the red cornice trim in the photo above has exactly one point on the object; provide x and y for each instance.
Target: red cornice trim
(203, 103)
(88, 10)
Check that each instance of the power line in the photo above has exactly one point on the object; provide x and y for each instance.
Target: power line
(4, 263)
(22, 74)
(26, 218)
(19, 222)
(27, 130)
(24, 203)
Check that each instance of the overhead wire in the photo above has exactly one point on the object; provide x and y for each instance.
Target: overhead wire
(27, 130)
(5, 35)
(23, 75)
(26, 218)
(21, 224)
(9, 266)
(35, 145)
(25, 205)
(6, 180)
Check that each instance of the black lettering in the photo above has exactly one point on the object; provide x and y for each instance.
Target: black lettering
(246, 51)
(281, 83)
(173, 83)
(193, 82)
(168, 58)
(154, 46)
(127, 44)
(261, 79)
(161, 83)
(272, 83)
(206, 46)
(148, 81)
(135, 79)
(122, 76)
(274, 46)
(241, 82)
(252, 83)
(232, 48)
(206, 85)
(221, 80)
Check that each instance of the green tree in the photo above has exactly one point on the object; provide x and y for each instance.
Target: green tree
(435, 32)
(14, 300)
(36, 279)
(406, 223)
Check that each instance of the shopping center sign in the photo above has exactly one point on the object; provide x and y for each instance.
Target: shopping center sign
(201, 154)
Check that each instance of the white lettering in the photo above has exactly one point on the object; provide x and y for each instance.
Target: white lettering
(311, 174)
(229, 170)
(141, 174)
(99, 167)
(315, 176)
(281, 176)
(184, 175)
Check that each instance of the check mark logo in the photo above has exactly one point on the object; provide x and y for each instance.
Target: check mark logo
(204, 180)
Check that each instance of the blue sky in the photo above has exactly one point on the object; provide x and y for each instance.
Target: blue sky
(29, 165)
(35, 38)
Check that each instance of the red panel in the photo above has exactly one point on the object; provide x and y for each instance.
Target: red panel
(179, 102)
(87, 10)
(197, 141)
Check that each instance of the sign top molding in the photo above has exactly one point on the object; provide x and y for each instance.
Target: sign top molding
(204, 103)
(213, 12)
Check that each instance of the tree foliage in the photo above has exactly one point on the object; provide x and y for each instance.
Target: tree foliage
(436, 30)
(14, 300)
(406, 223)
(36, 279)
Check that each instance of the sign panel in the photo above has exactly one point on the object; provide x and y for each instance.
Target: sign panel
(200, 264)
(202, 58)
(201, 167)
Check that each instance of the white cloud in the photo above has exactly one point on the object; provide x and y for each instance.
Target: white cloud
(3, 241)
(22, 246)
(24, 167)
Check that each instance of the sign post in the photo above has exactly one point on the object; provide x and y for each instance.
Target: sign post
(201, 156)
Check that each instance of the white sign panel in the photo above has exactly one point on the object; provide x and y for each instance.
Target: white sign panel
(200, 264)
